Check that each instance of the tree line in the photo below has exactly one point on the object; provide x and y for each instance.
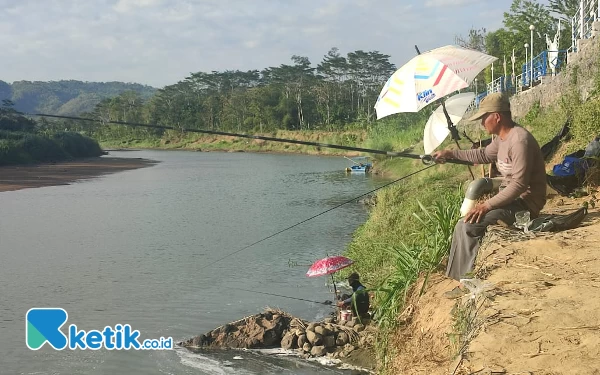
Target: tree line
(338, 93)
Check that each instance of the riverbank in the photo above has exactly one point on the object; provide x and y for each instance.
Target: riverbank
(19, 177)
(534, 312)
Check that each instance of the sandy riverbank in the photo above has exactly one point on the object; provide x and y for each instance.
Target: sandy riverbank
(17, 177)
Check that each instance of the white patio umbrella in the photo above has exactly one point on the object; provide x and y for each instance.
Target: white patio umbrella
(428, 77)
(436, 128)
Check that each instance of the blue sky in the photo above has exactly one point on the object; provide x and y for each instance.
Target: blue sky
(159, 42)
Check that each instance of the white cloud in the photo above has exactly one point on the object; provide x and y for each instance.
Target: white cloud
(125, 6)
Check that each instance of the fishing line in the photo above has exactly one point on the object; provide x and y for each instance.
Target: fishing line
(426, 159)
(317, 215)
(279, 295)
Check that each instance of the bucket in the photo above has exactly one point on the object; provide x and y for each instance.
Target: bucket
(345, 315)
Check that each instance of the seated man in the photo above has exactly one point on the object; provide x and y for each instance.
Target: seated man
(521, 163)
(359, 295)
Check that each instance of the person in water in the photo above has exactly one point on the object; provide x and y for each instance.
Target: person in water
(520, 161)
(359, 296)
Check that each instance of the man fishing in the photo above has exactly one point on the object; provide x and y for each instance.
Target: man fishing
(521, 163)
(359, 295)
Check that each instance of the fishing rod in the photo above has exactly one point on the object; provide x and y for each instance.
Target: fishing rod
(279, 295)
(426, 159)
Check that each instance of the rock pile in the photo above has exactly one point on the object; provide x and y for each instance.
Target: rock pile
(274, 328)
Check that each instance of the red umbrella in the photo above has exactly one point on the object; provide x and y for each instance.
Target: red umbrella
(327, 266)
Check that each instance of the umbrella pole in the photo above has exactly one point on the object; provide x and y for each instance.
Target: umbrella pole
(334, 288)
(454, 132)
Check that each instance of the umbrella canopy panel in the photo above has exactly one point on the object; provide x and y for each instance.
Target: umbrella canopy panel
(436, 128)
(328, 265)
(428, 77)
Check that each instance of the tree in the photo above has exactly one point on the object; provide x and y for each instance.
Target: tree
(475, 40)
(565, 9)
(13, 120)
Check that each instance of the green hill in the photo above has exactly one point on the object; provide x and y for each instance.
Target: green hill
(65, 97)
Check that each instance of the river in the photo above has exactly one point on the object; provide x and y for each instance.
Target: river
(163, 249)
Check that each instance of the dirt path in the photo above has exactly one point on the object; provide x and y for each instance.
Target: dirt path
(541, 315)
(64, 173)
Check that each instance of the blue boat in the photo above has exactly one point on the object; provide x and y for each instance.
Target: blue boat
(360, 165)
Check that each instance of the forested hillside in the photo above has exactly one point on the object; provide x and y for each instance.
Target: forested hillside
(65, 97)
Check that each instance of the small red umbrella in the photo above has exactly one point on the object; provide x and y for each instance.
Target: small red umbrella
(328, 266)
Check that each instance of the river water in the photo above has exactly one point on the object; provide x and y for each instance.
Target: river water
(162, 249)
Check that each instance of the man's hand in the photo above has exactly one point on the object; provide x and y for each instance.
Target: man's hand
(340, 303)
(441, 156)
(477, 213)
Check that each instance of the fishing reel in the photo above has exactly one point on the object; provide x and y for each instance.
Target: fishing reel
(427, 159)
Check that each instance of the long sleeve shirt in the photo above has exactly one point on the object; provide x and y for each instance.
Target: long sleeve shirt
(521, 163)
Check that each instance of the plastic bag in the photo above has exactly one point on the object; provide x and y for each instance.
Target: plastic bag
(476, 287)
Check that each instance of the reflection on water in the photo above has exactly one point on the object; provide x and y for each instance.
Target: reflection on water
(142, 247)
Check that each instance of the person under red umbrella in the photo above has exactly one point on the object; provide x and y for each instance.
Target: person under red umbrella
(359, 295)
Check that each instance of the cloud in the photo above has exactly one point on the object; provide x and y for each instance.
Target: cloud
(448, 3)
(160, 42)
(125, 6)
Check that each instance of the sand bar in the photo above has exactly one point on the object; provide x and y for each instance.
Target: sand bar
(16, 177)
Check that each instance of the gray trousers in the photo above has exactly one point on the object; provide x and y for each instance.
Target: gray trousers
(467, 237)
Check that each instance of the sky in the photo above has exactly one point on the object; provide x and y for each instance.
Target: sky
(160, 42)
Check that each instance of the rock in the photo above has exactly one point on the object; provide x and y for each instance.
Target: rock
(318, 351)
(342, 339)
(306, 347)
(322, 331)
(354, 321)
(311, 327)
(300, 331)
(302, 340)
(328, 320)
(314, 338)
(289, 341)
(359, 328)
(329, 341)
(348, 348)
(199, 340)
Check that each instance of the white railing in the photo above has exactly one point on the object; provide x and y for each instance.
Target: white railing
(581, 23)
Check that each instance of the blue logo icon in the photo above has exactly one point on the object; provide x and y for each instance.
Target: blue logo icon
(43, 325)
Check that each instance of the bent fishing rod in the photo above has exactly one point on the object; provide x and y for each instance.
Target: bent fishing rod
(426, 159)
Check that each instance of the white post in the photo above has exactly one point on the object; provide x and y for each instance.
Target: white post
(526, 61)
(492, 83)
(512, 62)
(531, 27)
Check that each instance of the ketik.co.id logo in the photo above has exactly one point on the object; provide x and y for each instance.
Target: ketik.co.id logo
(43, 325)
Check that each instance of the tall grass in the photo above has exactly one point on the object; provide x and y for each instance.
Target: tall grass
(421, 252)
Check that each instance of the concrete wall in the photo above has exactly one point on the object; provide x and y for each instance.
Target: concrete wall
(585, 64)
